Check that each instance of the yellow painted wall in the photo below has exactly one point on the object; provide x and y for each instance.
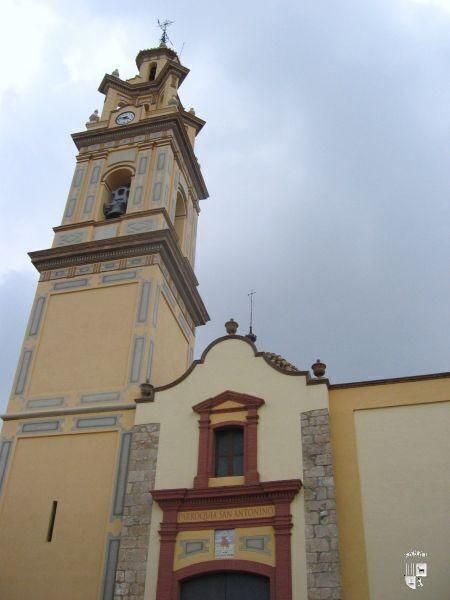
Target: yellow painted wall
(171, 347)
(231, 365)
(404, 465)
(78, 472)
(85, 340)
(348, 476)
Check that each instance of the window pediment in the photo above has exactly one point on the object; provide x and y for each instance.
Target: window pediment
(228, 401)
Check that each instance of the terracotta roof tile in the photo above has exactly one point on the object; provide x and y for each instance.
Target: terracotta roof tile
(279, 362)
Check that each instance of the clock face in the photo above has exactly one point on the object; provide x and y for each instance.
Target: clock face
(125, 118)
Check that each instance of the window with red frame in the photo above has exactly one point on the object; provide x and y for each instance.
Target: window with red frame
(229, 452)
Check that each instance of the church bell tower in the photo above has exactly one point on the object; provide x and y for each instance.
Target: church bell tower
(116, 306)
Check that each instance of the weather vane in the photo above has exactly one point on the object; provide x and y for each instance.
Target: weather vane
(250, 335)
(163, 26)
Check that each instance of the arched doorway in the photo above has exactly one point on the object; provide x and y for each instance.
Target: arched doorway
(226, 586)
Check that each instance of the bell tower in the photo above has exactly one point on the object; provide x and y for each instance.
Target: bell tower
(117, 301)
(116, 306)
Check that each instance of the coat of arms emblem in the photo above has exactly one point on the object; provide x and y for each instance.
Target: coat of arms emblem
(416, 568)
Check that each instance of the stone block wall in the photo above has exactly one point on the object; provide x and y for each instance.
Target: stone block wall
(322, 547)
(134, 537)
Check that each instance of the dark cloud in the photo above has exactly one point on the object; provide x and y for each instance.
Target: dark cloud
(325, 156)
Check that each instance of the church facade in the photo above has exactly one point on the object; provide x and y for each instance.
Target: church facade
(129, 471)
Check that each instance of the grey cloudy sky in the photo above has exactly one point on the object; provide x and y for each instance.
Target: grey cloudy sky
(325, 154)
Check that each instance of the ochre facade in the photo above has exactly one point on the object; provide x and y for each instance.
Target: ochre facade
(128, 471)
(391, 452)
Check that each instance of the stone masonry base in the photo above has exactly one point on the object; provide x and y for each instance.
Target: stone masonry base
(322, 548)
(134, 537)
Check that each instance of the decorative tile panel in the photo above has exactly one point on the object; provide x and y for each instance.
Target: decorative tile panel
(136, 261)
(144, 301)
(88, 205)
(59, 273)
(5, 452)
(157, 188)
(101, 397)
(70, 237)
(23, 371)
(37, 315)
(84, 270)
(119, 277)
(112, 555)
(142, 165)
(105, 232)
(256, 543)
(110, 265)
(137, 198)
(38, 426)
(136, 361)
(122, 472)
(161, 161)
(67, 285)
(95, 174)
(70, 209)
(139, 226)
(45, 402)
(88, 422)
(78, 177)
(190, 547)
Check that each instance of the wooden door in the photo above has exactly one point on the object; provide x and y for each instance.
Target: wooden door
(226, 586)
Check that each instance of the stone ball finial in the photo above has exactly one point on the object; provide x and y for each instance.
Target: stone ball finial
(115, 73)
(191, 111)
(318, 368)
(231, 327)
(94, 117)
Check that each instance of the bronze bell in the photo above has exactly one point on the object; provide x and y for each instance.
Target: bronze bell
(117, 206)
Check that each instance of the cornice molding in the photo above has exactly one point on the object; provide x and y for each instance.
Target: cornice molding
(228, 496)
(161, 241)
(135, 89)
(66, 411)
(167, 122)
(117, 220)
(373, 382)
